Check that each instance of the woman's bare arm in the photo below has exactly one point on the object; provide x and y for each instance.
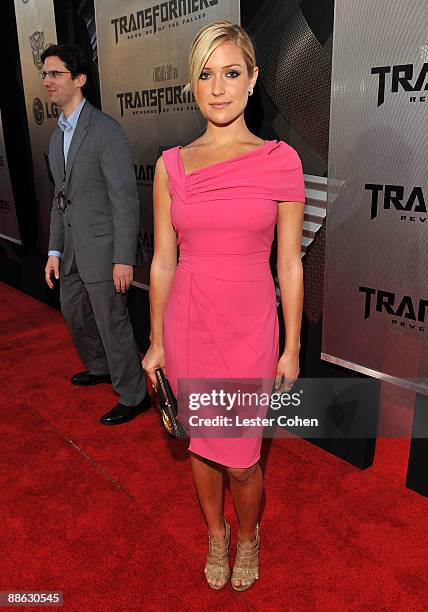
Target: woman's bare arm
(290, 276)
(163, 267)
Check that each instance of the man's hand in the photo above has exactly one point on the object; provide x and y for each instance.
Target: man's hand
(52, 267)
(122, 277)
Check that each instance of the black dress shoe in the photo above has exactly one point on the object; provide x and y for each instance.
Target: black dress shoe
(122, 414)
(86, 379)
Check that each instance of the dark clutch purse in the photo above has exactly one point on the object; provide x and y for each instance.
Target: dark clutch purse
(167, 404)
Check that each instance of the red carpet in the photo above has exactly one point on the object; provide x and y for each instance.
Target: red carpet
(109, 516)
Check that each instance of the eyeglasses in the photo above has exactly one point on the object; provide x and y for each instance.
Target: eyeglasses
(53, 74)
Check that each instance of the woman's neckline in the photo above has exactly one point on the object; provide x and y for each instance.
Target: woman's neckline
(229, 159)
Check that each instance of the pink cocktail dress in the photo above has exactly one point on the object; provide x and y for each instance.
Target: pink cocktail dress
(220, 319)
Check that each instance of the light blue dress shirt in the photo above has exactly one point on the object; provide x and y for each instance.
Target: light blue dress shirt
(68, 125)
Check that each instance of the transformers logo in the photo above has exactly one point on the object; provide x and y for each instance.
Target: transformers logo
(37, 40)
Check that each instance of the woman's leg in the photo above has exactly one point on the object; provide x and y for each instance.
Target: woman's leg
(246, 486)
(208, 479)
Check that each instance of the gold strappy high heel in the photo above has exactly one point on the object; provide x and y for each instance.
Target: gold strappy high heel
(246, 569)
(217, 564)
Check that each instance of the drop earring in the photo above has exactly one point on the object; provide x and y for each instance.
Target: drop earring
(250, 91)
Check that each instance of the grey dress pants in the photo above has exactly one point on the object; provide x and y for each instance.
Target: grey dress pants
(98, 320)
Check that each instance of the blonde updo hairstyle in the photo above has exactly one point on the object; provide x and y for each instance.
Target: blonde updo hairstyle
(208, 39)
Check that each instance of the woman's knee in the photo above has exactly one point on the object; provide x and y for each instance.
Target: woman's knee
(241, 474)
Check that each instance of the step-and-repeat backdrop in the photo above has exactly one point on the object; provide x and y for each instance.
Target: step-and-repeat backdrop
(35, 20)
(376, 274)
(142, 52)
(9, 228)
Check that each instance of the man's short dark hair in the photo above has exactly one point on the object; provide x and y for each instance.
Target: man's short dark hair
(75, 61)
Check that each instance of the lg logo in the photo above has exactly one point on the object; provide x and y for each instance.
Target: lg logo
(38, 112)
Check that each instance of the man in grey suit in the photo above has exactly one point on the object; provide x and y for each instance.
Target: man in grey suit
(93, 235)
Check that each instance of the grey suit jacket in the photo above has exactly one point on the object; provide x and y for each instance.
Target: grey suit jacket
(101, 223)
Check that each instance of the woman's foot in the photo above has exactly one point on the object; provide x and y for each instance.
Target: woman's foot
(246, 569)
(217, 570)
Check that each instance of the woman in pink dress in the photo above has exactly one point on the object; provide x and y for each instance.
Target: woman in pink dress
(214, 314)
